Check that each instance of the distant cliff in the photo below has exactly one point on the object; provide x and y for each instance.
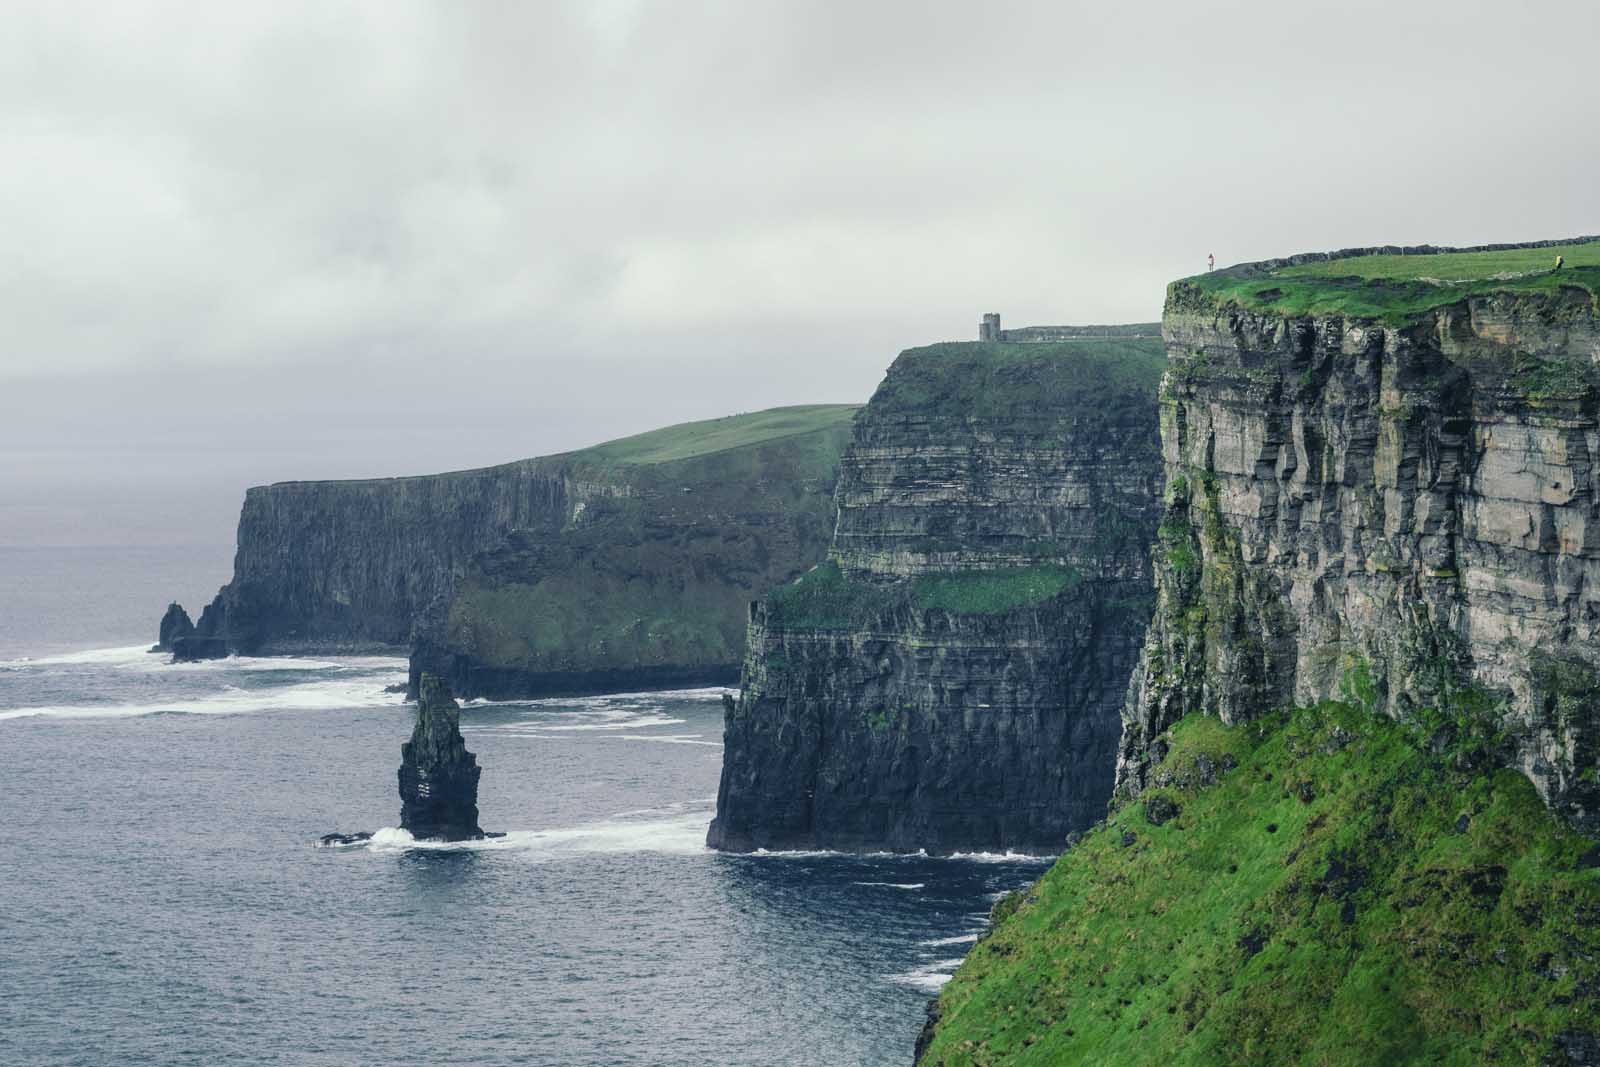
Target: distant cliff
(627, 562)
(950, 679)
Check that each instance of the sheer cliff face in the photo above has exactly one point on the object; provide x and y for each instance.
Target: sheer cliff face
(626, 565)
(322, 565)
(1399, 515)
(647, 587)
(950, 679)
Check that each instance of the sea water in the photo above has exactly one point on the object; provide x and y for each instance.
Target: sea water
(164, 899)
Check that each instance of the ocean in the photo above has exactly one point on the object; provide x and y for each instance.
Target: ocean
(164, 898)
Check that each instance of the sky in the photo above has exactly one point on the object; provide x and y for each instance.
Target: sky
(251, 242)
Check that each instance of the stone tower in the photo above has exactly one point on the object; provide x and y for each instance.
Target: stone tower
(989, 328)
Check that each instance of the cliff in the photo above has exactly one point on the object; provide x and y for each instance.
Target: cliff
(1358, 769)
(646, 584)
(1391, 496)
(626, 563)
(950, 679)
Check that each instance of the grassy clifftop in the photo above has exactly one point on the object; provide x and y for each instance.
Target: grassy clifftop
(1094, 377)
(694, 439)
(654, 570)
(1318, 887)
(1392, 286)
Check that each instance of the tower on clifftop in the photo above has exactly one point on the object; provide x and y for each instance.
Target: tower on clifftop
(989, 328)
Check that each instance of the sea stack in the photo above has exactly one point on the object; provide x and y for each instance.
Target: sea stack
(438, 776)
(175, 624)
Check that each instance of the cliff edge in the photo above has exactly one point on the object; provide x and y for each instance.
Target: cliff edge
(1392, 497)
(1357, 778)
(950, 678)
(623, 565)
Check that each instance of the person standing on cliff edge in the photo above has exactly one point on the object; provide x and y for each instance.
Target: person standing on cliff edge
(1211, 260)
(1559, 261)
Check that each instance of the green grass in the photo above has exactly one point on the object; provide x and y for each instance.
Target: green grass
(1451, 266)
(1103, 379)
(825, 598)
(692, 439)
(1348, 894)
(1392, 288)
(992, 592)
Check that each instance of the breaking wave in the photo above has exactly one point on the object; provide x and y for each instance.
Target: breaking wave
(929, 978)
(683, 834)
(328, 695)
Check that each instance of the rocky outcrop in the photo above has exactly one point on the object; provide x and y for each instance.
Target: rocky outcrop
(627, 564)
(1401, 512)
(950, 680)
(438, 776)
(175, 624)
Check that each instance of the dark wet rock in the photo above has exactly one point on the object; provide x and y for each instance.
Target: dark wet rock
(1590, 859)
(1306, 792)
(175, 624)
(929, 1028)
(206, 639)
(1160, 809)
(1129, 838)
(438, 776)
(190, 649)
(330, 840)
(1462, 822)
(1228, 762)
(1205, 771)
(1253, 942)
(1575, 1049)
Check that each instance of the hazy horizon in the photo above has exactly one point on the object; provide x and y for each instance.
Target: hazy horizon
(251, 244)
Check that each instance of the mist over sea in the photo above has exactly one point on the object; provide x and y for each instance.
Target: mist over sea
(165, 900)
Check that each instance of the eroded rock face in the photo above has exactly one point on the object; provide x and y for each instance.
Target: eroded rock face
(438, 776)
(1395, 515)
(625, 566)
(174, 624)
(906, 704)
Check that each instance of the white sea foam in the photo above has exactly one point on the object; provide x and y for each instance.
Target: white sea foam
(959, 939)
(1002, 857)
(632, 722)
(329, 695)
(931, 977)
(89, 657)
(895, 885)
(683, 833)
(140, 658)
(669, 739)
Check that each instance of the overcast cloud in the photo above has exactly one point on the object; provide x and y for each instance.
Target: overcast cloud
(250, 242)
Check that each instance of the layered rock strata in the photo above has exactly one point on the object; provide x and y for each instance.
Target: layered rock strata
(624, 565)
(1399, 511)
(438, 776)
(950, 679)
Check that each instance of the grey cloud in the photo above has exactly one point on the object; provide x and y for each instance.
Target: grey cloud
(370, 238)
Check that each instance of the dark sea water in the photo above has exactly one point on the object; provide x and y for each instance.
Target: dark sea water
(163, 899)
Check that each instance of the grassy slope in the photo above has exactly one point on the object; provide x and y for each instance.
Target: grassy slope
(1325, 902)
(825, 599)
(1392, 288)
(691, 439)
(660, 577)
